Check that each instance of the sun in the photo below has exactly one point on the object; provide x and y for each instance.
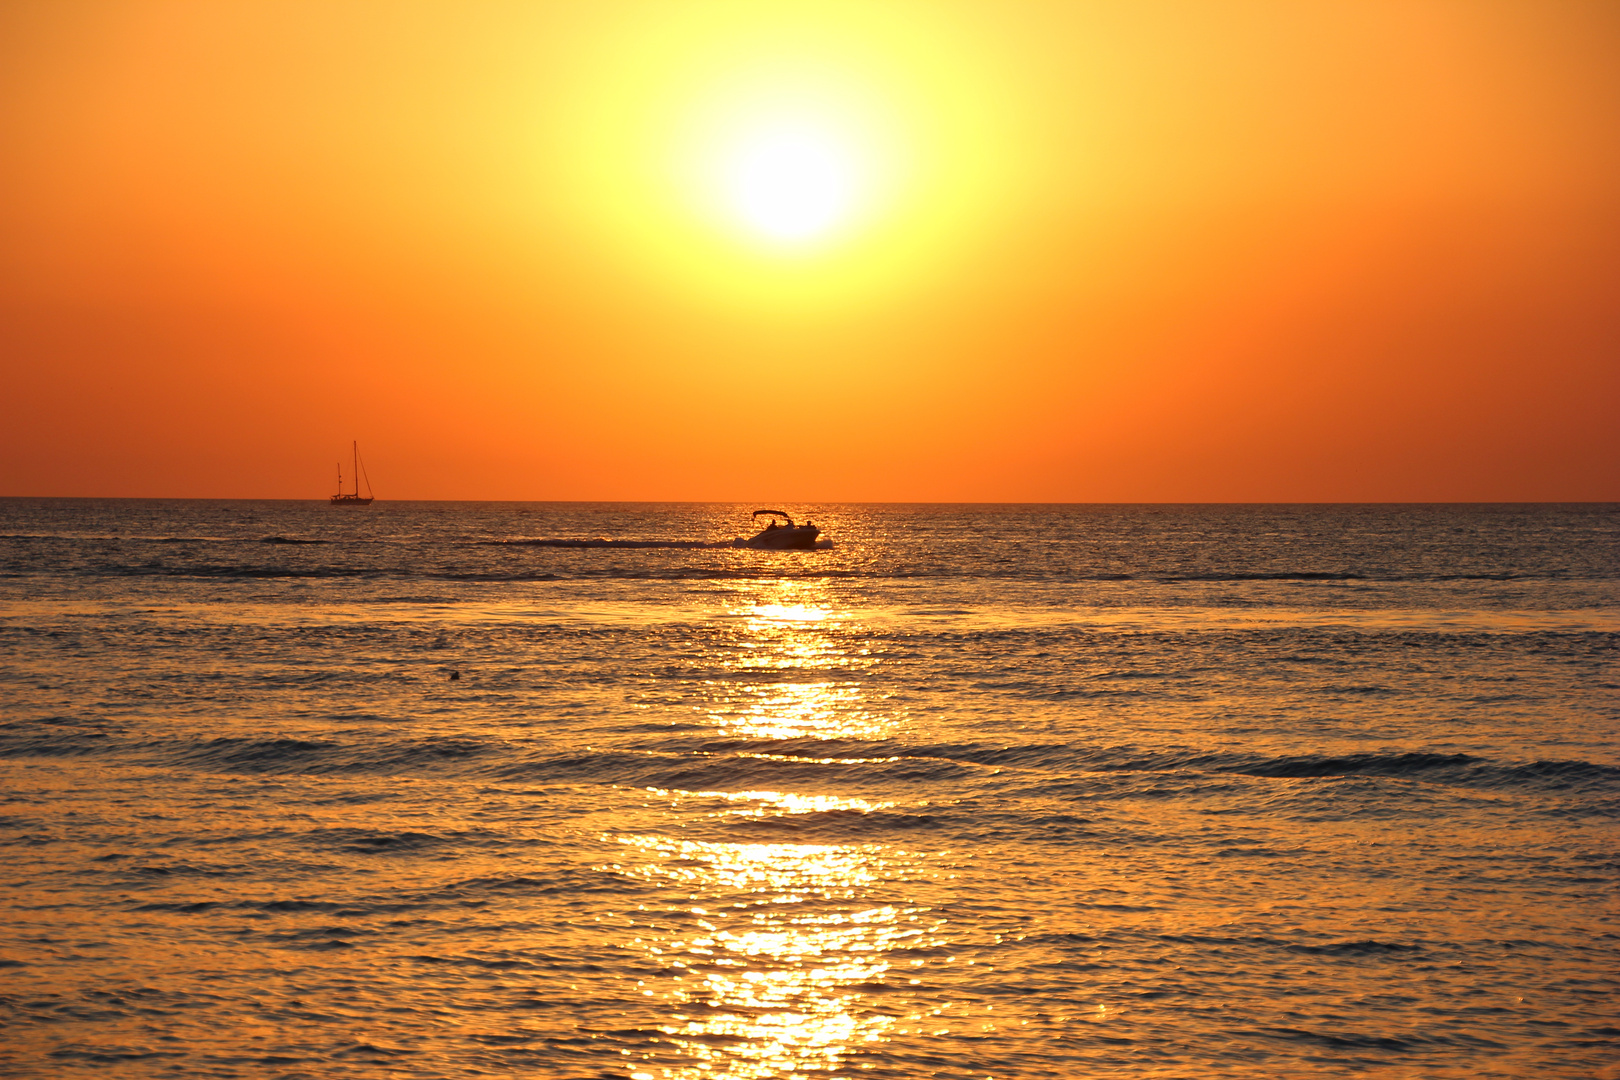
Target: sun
(781, 158)
(790, 184)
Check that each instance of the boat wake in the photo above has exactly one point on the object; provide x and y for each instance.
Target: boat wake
(778, 535)
(605, 542)
(752, 542)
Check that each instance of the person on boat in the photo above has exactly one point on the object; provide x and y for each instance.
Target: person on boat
(771, 526)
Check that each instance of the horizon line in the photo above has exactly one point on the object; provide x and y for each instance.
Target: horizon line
(323, 500)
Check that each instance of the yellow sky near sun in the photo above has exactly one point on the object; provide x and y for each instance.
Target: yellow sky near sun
(670, 110)
(961, 250)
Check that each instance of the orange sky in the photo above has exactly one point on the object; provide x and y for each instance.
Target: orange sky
(1218, 251)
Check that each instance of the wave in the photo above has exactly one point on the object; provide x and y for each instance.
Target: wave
(1453, 769)
(826, 825)
(467, 892)
(698, 765)
(1459, 769)
(1332, 575)
(1262, 575)
(119, 538)
(772, 570)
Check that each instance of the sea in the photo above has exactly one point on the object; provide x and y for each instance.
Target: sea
(570, 790)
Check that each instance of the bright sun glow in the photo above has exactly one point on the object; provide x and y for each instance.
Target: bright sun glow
(784, 157)
(791, 185)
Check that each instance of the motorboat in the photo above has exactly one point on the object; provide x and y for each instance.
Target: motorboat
(782, 535)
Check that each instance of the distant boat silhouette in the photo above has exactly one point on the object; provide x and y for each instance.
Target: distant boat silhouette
(353, 498)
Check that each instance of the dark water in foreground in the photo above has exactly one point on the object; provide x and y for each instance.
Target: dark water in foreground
(978, 791)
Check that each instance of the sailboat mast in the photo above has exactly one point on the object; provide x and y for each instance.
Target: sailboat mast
(356, 447)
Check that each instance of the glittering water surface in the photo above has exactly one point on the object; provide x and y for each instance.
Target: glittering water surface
(974, 791)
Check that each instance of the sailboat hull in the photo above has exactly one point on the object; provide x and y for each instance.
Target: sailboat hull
(350, 500)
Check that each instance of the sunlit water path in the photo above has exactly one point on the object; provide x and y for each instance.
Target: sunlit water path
(976, 791)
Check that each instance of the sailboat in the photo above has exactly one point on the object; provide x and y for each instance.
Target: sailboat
(354, 498)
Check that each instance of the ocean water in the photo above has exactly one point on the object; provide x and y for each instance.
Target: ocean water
(415, 790)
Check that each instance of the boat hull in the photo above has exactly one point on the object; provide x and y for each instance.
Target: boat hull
(792, 538)
(350, 500)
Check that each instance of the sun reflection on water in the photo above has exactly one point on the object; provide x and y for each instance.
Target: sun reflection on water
(777, 953)
(789, 870)
(800, 613)
(791, 669)
(774, 971)
(771, 803)
(798, 710)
